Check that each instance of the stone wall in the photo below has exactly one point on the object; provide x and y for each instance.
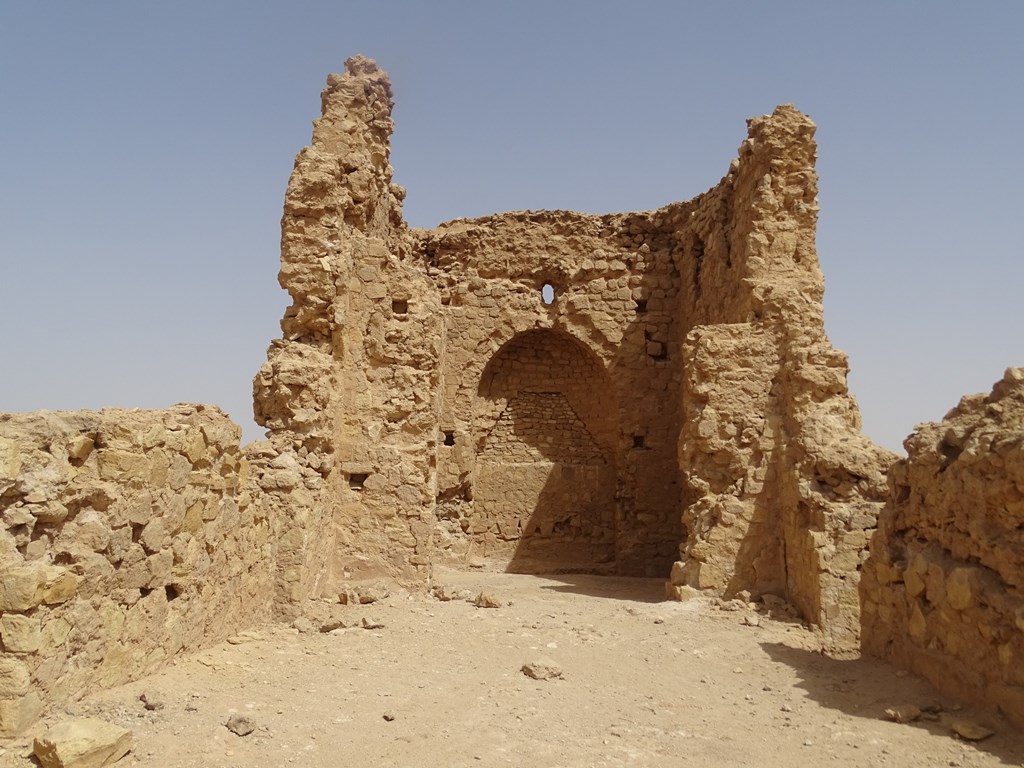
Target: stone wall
(943, 589)
(786, 489)
(126, 537)
(347, 394)
(679, 356)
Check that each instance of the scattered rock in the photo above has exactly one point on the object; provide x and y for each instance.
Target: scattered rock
(751, 620)
(371, 624)
(542, 669)
(364, 594)
(778, 607)
(389, 716)
(85, 743)
(486, 600)
(151, 701)
(970, 730)
(240, 725)
(475, 562)
(329, 625)
(372, 593)
(731, 605)
(304, 625)
(446, 593)
(681, 592)
(903, 713)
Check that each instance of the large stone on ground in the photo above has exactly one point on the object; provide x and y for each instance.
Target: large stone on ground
(85, 743)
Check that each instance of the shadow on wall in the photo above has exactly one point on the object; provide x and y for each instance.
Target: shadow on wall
(576, 460)
(546, 465)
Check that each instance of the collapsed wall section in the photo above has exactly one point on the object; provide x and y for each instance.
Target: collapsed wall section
(347, 394)
(943, 588)
(784, 486)
(127, 537)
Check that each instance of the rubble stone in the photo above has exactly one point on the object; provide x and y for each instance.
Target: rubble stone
(942, 587)
(85, 743)
(109, 576)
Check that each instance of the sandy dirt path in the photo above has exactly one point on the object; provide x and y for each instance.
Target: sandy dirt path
(644, 683)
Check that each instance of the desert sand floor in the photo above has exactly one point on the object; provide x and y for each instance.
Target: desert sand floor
(644, 683)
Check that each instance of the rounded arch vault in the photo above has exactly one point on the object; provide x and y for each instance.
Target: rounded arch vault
(545, 434)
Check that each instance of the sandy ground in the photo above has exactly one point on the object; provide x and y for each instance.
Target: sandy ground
(644, 683)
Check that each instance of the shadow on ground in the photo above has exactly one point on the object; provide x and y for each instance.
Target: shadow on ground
(866, 687)
(626, 588)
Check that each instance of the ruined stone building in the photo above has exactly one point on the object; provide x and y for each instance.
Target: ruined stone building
(647, 393)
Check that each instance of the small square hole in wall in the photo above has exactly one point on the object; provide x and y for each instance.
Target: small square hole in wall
(400, 306)
(641, 306)
(639, 441)
(356, 480)
(449, 438)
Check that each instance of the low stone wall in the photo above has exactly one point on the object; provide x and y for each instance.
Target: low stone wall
(126, 537)
(943, 589)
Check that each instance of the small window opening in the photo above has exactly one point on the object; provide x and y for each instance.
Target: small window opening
(172, 591)
(143, 592)
(547, 294)
(641, 306)
(639, 441)
(356, 480)
(449, 438)
(400, 306)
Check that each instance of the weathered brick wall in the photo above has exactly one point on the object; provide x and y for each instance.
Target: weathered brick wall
(943, 588)
(127, 537)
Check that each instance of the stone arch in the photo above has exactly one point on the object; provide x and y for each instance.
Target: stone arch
(508, 325)
(545, 431)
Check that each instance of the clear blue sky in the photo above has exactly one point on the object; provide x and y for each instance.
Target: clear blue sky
(145, 148)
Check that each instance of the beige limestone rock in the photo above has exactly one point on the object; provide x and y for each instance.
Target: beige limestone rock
(942, 587)
(18, 714)
(542, 669)
(126, 594)
(84, 743)
(14, 677)
(20, 634)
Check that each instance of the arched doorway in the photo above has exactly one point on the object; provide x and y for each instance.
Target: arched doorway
(545, 425)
